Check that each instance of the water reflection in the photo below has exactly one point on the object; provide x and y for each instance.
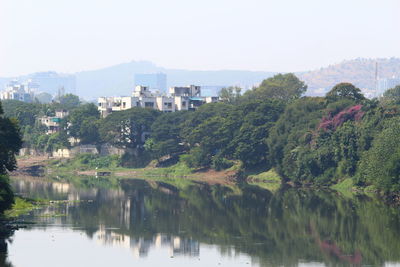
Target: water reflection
(177, 246)
(286, 228)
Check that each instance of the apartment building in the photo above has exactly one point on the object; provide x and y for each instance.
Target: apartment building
(181, 98)
(17, 91)
(53, 123)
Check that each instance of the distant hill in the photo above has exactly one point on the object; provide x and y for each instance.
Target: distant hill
(360, 72)
(119, 79)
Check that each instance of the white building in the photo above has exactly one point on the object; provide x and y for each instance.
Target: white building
(191, 91)
(385, 84)
(53, 123)
(181, 98)
(17, 91)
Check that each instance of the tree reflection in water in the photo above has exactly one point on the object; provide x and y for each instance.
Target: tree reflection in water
(284, 228)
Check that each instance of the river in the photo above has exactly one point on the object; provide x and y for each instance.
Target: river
(103, 222)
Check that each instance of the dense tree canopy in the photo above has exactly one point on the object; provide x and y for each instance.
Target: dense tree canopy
(128, 128)
(69, 101)
(286, 87)
(391, 96)
(10, 143)
(83, 123)
(307, 140)
(230, 94)
(344, 91)
(380, 165)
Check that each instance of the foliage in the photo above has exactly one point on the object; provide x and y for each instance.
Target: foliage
(97, 161)
(128, 128)
(380, 165)
(165, 134)
(43, 98)
(25, 113)
(84, 122)
(6, 194)
(332, 123)
(57, 141)
(307, 140)
(230, 94)
(69, 101)
(344, 90)
(293, 130)
(10, 143)
(281, 86)
(391, 96)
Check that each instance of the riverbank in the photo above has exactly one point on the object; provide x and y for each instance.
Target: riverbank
(43, 166)
(178, 173)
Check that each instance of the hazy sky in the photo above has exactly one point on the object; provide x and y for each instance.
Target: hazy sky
(269, 35)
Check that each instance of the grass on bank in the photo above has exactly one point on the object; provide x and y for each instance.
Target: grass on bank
(85, 161)
(269, 180)
(23, 206)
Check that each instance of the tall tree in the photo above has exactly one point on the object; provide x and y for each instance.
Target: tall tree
(230, 94)
(281, 86)
(344, 91)
(84, 123)
(128, 128)
(10, 143)
(69, 101)
(391, 96)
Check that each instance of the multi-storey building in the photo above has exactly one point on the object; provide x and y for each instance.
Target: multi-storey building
(17, 91)
(190, 91)
(53, 123)
(182, 98)
(153, 81)
(385, 84)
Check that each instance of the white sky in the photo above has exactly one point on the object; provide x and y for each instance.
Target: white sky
(268, 35)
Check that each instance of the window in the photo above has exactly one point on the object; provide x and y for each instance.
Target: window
(148, 104)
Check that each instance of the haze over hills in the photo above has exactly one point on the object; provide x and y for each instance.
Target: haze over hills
(360, 72)
(119, 79)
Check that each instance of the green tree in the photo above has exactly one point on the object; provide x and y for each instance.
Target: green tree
(391, 96)
(281, 86)
(83, 123)
(69, 101)
(291, 133)
(57, 141)
(44, 98)
(230, 94)
(165, 134)
(10, 143)
(128, 128)
(344, 91)
(379, 166)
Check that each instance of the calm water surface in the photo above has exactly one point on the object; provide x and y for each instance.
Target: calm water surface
(139, 223)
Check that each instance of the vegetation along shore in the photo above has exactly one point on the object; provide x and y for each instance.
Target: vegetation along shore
(269, 134)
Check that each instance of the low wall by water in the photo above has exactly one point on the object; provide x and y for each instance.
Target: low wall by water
(103, 150)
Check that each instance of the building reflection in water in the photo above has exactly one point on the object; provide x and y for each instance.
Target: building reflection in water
(281, 229)
(141, 246)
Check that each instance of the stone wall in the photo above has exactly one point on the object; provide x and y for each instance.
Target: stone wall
(105, 150)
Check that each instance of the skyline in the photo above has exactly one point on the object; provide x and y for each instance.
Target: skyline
(279, 36)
